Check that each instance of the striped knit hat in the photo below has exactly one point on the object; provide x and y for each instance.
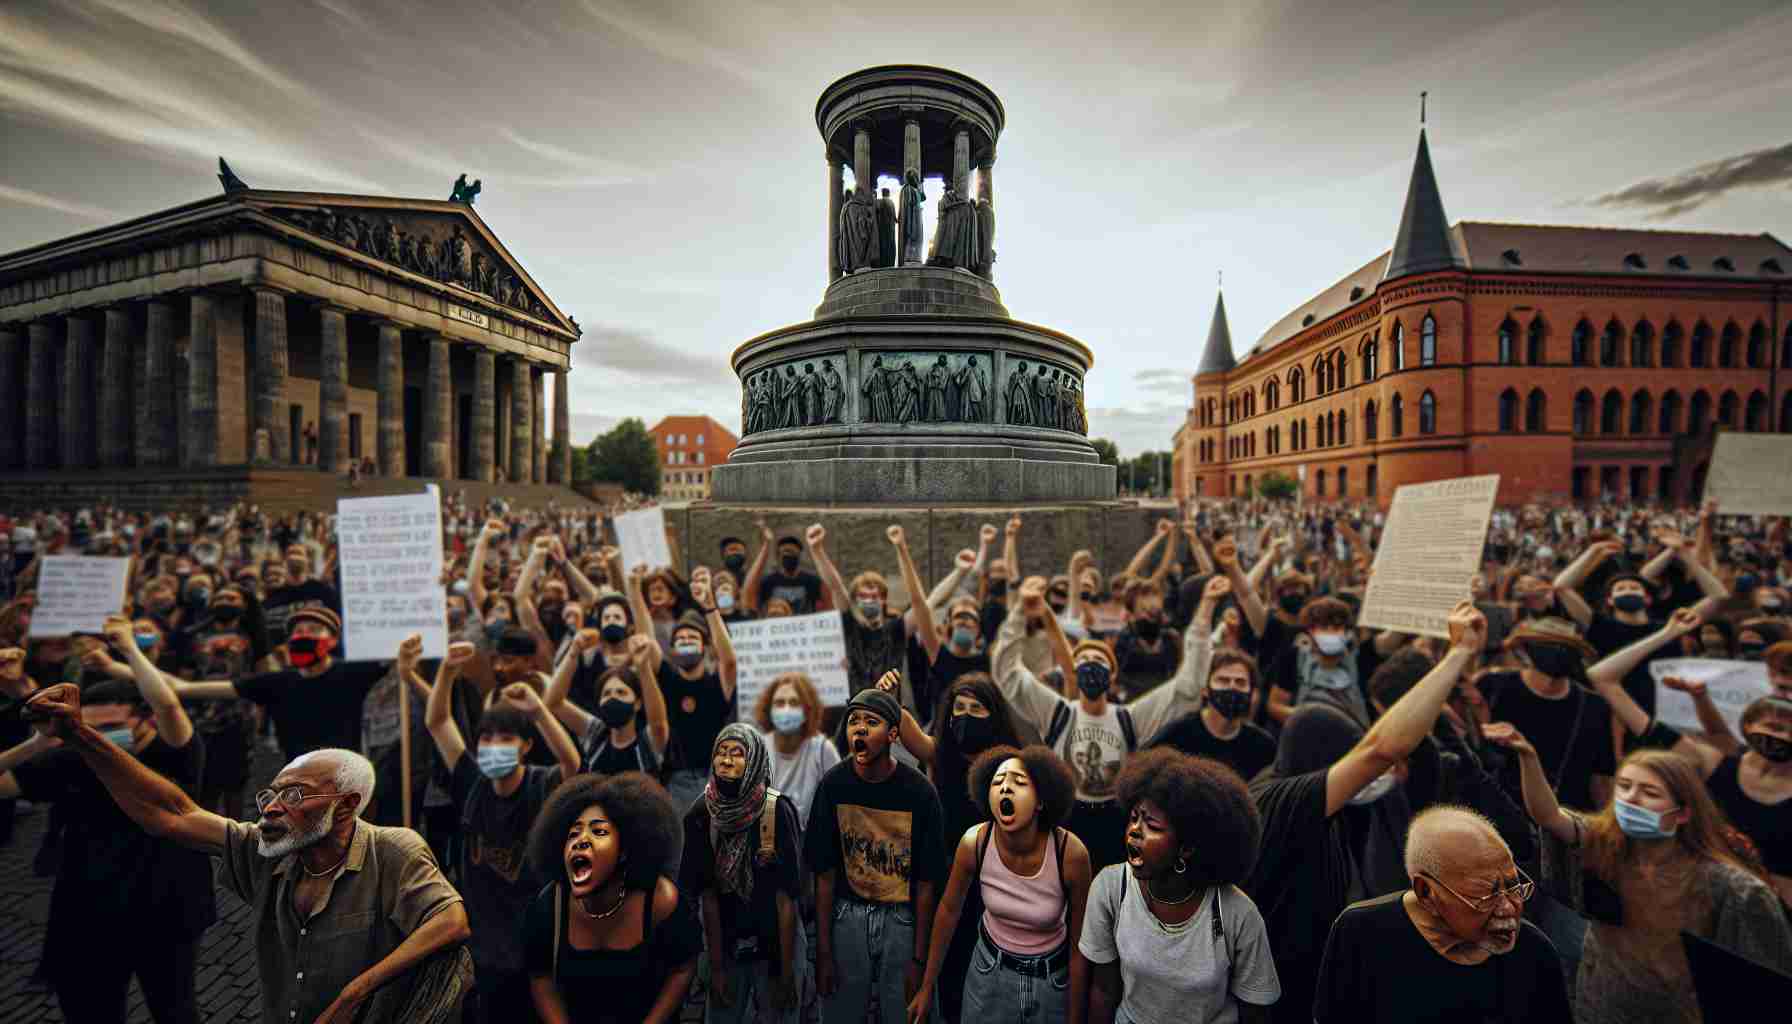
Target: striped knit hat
(321, 616)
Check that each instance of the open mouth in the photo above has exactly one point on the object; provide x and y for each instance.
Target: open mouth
(1005, 807)
(270, 832)
(1135, 854)
(579, 868)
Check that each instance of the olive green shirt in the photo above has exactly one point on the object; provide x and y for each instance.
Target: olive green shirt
(387, 886)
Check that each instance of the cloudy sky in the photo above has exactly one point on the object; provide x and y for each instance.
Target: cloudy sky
(655, 163)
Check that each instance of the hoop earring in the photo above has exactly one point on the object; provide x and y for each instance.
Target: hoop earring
(1181, 866)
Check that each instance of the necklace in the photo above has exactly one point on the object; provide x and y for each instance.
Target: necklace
(327, 871)
(1169, 903)
(623, 895)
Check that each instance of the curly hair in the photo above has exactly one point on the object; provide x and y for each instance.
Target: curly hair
(1326, 612)
(1051, 780)
(639, 810)
(1208, 806)
(805, 692)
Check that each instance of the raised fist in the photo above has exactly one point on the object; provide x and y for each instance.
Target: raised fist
(966, 559)
(891, 681)
(460, 652)
(12, 663)
(1468, 627)
(409, 652)
(814, 535)
(1690, 687)
(987, 534)
(1165, 527)
(639, 646)
(495, 528)
(55, 711)
(1013, 526)
(700, 591)
(1032, 594)
(895, 534)
(1080, 561)
(118, 629)
(1217, 587)
(1683, 621)
(543, 543)
(519, 695)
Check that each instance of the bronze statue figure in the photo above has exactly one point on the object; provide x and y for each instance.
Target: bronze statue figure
(858, 233)
(908, 395)
(1045, 395)
(833, 392)
(971, 391)
(229, 180)
(878, 388)
(934, 409)
(912, 198)
(886, 231)
(1019, 396)
(463, 192)
(955, 238)
(986, 238)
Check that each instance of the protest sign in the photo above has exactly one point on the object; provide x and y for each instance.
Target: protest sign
(1732, 686)
(1748, 474)
(767, 648)
(75, 593)
(390, 552)
(1428, 553)
(641, 536)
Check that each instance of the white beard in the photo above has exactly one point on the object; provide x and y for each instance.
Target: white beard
(292, 842)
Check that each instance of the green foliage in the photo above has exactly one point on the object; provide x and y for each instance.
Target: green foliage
(1146, 473)
(1110, 455)
(627, 456)
(1280, 486)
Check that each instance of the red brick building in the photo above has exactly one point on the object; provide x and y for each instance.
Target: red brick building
(1574, 362)
(689, 447)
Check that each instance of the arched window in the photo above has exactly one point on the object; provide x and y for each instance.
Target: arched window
(1340, 369)
(1583, 335)
(1371, 354)
(1319, 428)
(1269, 440)
(1398, 413)
(1508, 345)
(1611, 413)
(1322, 374)
(1670, 344)
(1727, 408)
(1297, 385)
(1250, 403)
(1343, 426)
(1320, 487)
(1428, 341)
(1670, 413)
(1755, 420)
(1583, 412)
(1536, 411)
(1370, 481)
(1642, 344)
(1427, 413)
(1398, 343)
(1757, 346)
(1642, 408)
(1726, 349)
(1371, 427)
(1533, 346)
(1608, 344)
(1698, 419)
(1271, 395)
(1701, 346)
(1508, 411)
(1343, 481)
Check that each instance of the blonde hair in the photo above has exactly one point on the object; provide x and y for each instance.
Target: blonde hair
(870, 578)
(805, 692)
(1704, 834)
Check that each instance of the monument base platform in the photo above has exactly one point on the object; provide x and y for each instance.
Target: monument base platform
(828, 472)
(276, 490)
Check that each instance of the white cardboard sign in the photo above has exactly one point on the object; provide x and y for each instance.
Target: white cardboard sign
(390, 551)
(1428, 554)
(75, 593)
(1732, 686)
(767, 648)
(641, 535)
(1748, 474)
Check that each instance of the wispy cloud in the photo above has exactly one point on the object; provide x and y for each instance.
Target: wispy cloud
(638, 353)
(1662, 198)
(26, 197)
(680, 46)
(1135, 429)
(1169, 380)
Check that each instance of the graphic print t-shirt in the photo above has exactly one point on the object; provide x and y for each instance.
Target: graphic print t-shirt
(882, 837)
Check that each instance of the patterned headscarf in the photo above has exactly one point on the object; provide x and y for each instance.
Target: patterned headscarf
(732, 820)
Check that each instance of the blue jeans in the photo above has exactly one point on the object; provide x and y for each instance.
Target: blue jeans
(750, 983)
(873, 945)
(997, 994)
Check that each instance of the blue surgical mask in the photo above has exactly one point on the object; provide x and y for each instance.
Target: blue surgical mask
(1330, 644)
(788, 720)
(963, 636)
(873, 609)
(119, 736)
(1639, 822)
(497, 760)
(145, 641)
(724, 602)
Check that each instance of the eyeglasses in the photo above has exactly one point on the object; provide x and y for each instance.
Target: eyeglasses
(292, 796)
(1518, 892)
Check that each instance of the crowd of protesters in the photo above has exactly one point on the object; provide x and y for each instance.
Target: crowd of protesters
(1192, 787)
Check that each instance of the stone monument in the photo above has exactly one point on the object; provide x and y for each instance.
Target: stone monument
(912, 385)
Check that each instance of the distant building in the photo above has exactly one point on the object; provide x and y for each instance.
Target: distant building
(1575, 362)
(689, 447)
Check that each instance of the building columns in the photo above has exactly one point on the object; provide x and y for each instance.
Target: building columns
(115, 388)
(521, 459)
(538, 427)
(271, 363)
(485, 415)
(76, 414)
(438, 398)
(155, 406)
(389, 427)
(836, 188)
(201, 428)
(332, 390)
(12, 386)
(560, 466)
(40, 398)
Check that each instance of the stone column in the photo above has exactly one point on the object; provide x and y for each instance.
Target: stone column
(560, 468)
(76, 419)
(521, 459)
(836, 183)
(911, 147)
(40, 398)
(438, 408)
(12, 386)
(201, 428)
(538, 428)
(115, 388)
(332, 390)
(390, 417)
(986, 188)
(485, 415)
(861, 161)
(271, 363)
(961, 161)
(155, 420)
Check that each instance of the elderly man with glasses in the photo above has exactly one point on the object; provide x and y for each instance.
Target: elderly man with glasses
(350, 918)
(1454, 946)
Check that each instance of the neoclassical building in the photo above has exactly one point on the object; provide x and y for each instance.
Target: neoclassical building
(266, 329)
(1574, 362)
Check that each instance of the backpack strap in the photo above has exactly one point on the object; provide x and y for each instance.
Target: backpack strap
(768, 828)
(1220, 936)
(1127, 730)
(1060, 721)
(1061, 839)
(559, 907)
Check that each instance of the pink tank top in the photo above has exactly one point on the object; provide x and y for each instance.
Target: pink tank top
(1025, 916)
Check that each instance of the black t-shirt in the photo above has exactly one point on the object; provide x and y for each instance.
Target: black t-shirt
(1608, 636)
(1247, 753)
(696, 710)
(883, 836)
(872, 650)
(322, 711)
(802, 591)
(1570, 759)
(783, 874)
(931, 680)
(280, 605)
(1302, 877)
(609, 986)
(1378, 967)
(495, 876)
(1769, 826)
(1141, 668)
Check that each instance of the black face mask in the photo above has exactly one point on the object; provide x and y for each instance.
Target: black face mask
(1747, 582)
(998, 588)
(729, 788)
(1292, 603)
(1553, 660)
(1630, 602)
(614, 634)
(1086, 595)
(1751, 652)
(1092, 678)
(790, 562)
(456, 618)
(1148, 629)
(227, 613)
(735, 563)
(972, 734)
(1230, 703)
(616, 712)
(1776, 749)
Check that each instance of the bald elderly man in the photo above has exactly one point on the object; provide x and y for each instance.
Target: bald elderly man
(348, 915)
(1453, 947)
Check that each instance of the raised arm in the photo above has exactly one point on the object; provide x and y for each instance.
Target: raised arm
(749, 587)
(1026, 694)
(172, 724)
(1198, 550)
(913, 737)
(1225, 555)
(816, 537)
(1168, 555)
(1141, 557)
(1611, 670)
(919, 616)
(644, 651)
(578, 581)
(963, 565)
(637, 604)
(570, 715)
(727, 667)
(1080, 561)
(566, 753)
(1567, 582)
(491, 531)
(438, 714)
(1011, 554)
(1539, 799)
(1197, 642)
(1711, 720)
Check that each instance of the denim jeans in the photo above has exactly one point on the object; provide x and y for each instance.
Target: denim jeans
(995, 994)
(750, 983)
(873, 945)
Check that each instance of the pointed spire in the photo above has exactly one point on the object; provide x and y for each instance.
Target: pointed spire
(1217, 356)
(1423, 241)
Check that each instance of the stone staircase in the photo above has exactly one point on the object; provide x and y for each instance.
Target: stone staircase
(276, 490)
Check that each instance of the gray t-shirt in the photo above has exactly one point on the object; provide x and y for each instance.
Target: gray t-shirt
(797, 775)
(1185, 975)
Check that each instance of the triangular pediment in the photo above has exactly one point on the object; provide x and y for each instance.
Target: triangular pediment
(444, 242)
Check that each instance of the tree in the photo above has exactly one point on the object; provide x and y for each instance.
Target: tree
(581, 464)
(1277, 485)
(627, 456)
(1109, 453)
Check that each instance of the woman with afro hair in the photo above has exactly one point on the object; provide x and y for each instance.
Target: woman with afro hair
(609, 940)
(1168, 932)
